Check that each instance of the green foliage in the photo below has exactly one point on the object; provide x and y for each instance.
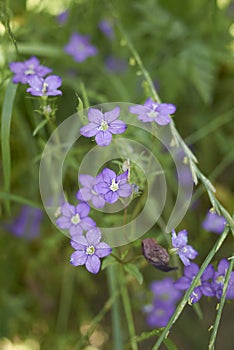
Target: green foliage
(185, 49)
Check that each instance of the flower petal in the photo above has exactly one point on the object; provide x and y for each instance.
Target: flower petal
(86, 180)
(53, 81)
(111, 197)
(84, 194)
(75, 230)
(94, 236)
(93, 264)
(83, 210)
(63, 223)
(110, 116)
(166, 108)
(79, 243)
(103, 249)
(89, 130)
(78, 258)
(117, 127)
(103, 138)
(98, 201)
(68, 209)
(87, 223)
(125, 190)
(95, 116)
(162, 119)
(138, 109)
(108, 175)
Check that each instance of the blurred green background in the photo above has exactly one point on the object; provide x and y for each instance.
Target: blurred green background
(188, 49)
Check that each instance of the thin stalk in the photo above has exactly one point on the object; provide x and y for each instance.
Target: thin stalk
(128, 310)
(115, 311)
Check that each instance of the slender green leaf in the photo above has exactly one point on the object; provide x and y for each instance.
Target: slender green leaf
(18, 199)
(40, 126)
(169, 344)
(5, 134)
(134, 271)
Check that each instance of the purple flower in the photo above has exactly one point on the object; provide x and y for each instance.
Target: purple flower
(62, 17)
(165, 297)
(159, 314)
(75, 218)
(88, 193)
(112, 186)
(107, 29)
(80, 48)
(153, 111)
(89, 250)
(44, 87)
(219, 278)
(165, 291)
(180, 246)
(214, 222)
(204, 285)
(23, 70)
(115, 64)
(27, 223)
(103, 125)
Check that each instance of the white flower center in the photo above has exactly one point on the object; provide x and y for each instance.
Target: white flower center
(220, 279)
(152, 114)
(30, 70)
(44, 87)
(104, 126)
(75, 219)
(114, 186)
(90, 250)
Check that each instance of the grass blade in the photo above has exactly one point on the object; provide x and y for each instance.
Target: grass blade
(5, 135)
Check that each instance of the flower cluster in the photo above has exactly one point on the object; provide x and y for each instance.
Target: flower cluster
(165, 297)
(106, 187)
(32, 72)
(210, 284)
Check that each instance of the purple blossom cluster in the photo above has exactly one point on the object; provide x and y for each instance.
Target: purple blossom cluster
(165, 298)
(31, 72)
(210, 284)
(88, 248)
(106, 187)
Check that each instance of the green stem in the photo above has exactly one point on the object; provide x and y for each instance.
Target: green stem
(184, 300)
(220, 307)
(115, 311)
(128, 310)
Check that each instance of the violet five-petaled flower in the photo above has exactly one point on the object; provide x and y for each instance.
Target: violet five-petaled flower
(214, 222)
(75, 219)
(44, 87)
(153, 111)
(165, 297)
(79, 47)
(27, 224)
(111, 186)
(180, 247)
(89, 250)
(204, 285)
(103, 125)
(88, 193)
(23, 70)
(219, 278)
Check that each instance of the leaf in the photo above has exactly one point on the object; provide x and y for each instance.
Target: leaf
(109, 261)
(40, 126)
(169, 344)
(18, 199)
(5, 135)
(134, 271)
